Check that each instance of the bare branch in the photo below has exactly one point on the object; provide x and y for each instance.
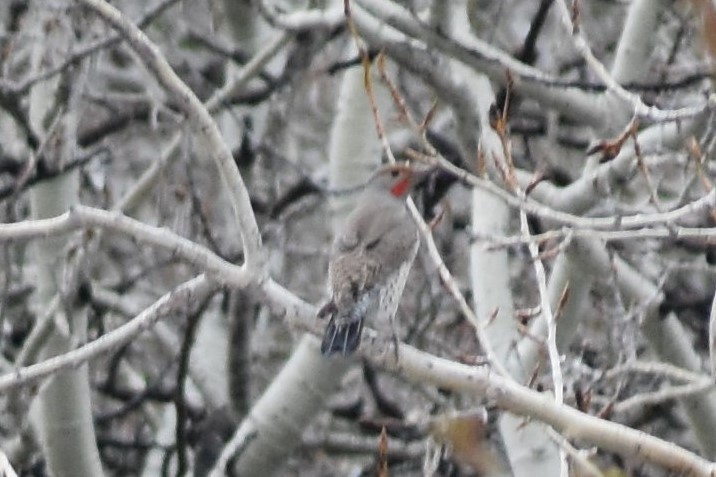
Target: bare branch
(204, 127)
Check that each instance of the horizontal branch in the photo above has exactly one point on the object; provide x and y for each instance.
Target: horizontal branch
(423, 368)
(616, 222)
(638, 107)
(9, 88)
(414, 365)
(568, 233)
(386, 22)
(418, 366)
(82, 217)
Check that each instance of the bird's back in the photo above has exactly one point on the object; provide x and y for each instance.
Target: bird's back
(373, 246)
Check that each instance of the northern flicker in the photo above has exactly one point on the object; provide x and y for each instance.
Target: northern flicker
(371, 258)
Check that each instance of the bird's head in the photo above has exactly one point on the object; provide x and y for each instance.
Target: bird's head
(398, 179)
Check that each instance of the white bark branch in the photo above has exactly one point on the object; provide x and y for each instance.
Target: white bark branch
(190, 292)
(413, 365)
(637, 105)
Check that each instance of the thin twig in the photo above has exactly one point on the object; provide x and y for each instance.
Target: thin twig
(640, 109)
(152, 13)
(534, 207)
(658, 397)
(204, 127)
(185, 294)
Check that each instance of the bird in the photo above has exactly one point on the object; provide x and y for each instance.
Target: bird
(370, 258)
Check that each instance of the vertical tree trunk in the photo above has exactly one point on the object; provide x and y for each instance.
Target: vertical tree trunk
(65, 412)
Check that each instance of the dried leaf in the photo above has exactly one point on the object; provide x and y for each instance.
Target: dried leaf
(383, 454)
(467, 437)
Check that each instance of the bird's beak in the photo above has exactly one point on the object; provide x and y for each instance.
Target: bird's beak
(420, 176)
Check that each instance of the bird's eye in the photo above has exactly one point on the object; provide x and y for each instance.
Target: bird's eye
(394, 173)
(372, 244)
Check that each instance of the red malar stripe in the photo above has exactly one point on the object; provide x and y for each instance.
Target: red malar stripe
(400, 188)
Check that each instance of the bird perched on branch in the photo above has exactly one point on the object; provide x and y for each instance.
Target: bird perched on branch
(371, 258)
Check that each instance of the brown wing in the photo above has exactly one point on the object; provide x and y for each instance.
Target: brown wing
(351, 275)
(372, 246)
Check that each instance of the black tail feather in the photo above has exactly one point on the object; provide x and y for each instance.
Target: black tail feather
(342, 336)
